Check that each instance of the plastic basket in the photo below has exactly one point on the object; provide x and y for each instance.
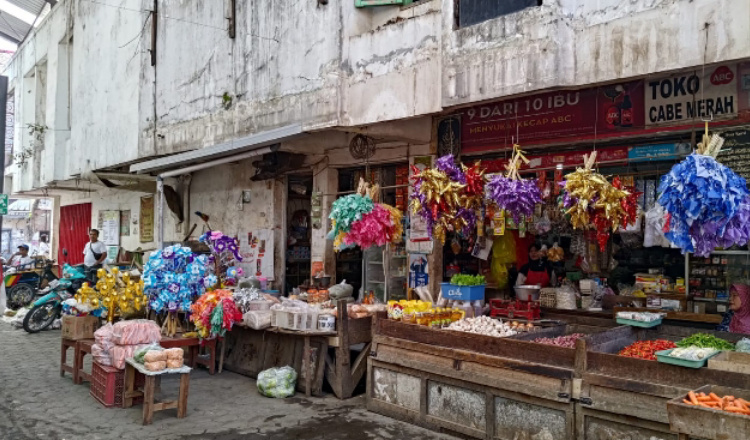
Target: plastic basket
(108, 383)
(664, 357)
(548, 297)
(295, 320)
(642, 324)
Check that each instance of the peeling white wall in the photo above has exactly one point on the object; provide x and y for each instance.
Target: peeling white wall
(570, 43)
(217, 191)
(90, 96)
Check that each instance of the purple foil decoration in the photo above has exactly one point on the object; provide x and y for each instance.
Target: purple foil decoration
(517, 197)
(471, 219)
(448, 165)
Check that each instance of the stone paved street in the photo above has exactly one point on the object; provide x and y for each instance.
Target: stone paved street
(36, 403)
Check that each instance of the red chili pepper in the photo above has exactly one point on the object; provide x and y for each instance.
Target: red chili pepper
(646, 349)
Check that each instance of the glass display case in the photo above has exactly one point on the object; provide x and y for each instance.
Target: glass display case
(385, 272)
(709, 279)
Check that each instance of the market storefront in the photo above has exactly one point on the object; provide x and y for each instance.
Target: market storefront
(577, 371)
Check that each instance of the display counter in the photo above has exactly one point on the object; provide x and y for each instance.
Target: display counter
(509, 388)
(249, 352)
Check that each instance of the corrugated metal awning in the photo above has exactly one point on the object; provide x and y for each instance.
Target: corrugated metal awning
(226, 150)
(12, 27)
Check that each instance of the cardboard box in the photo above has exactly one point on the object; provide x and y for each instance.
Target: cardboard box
(79, 327)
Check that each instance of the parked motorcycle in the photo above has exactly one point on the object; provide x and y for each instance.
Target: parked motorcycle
(49, 307)
(22, 284)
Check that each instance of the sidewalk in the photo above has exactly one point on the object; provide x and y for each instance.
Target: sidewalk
(36, 403)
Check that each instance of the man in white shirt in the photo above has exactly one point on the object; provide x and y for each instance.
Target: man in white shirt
(21, 259)
(95, 252)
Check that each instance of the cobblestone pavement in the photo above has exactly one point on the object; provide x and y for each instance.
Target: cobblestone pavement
(36, 403)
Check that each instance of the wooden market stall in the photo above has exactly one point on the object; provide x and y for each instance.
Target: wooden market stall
(509, 388)
(249, 352)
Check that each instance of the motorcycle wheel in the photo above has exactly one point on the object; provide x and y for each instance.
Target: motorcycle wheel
(20, 295)
(40, 317)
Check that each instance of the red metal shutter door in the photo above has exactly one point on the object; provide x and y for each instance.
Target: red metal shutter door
(75, 222)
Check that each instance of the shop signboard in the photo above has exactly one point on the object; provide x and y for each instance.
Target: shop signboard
(567, 159)
(688, 96)
(588, 113)
(146, 220)
(671, 151)
(735, 153)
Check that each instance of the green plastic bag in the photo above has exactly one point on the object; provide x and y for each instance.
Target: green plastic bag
(277, 382)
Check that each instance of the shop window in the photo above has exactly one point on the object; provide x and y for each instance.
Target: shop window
(471, 12)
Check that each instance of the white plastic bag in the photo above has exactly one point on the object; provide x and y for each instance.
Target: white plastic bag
(257, 319)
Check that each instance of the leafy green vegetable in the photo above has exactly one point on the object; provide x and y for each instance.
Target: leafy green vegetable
(468, 280)
(704, 340)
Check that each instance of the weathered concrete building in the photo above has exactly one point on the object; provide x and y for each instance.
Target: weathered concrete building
(144, 88)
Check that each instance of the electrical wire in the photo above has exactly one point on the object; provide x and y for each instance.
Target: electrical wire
(167, 17)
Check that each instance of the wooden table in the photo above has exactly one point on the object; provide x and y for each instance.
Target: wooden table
(149, 405)
(307, 360)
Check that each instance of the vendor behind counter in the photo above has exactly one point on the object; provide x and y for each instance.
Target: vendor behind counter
(538, 271)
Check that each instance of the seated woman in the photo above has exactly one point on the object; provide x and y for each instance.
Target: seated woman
(737, 319)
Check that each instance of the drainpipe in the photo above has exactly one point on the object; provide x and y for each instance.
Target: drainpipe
(160, 212)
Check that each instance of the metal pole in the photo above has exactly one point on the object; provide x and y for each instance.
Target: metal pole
(3, 108)
(160, 213)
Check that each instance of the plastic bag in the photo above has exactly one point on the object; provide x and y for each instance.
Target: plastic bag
(743, 345)
(504, 249)
(101, 354)
(103, 335)
(500, 274)
(257, 319)
(140, 354)
(341, 290)
(136, 332)
(155, 366)
(119, 353)
(277, 382)
(155, 356)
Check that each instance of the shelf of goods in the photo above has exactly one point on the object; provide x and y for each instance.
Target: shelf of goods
(248, 352)
(508, 388)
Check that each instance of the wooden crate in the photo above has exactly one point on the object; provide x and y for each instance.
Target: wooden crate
(731, 361)
(469, 402)
(706, 423)
(641, 388)
(600, 425)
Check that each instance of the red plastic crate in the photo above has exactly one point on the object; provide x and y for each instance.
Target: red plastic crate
(108, 383)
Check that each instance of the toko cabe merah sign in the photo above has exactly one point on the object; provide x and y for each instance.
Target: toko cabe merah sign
(553, 116)
(693, 95)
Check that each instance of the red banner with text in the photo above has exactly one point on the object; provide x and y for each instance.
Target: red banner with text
(603, 111)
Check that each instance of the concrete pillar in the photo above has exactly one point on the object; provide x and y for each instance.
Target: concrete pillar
(54, 239)
(325, 181)
(280, 231)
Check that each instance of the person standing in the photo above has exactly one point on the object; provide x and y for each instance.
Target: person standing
(537, 271)
(94, 253)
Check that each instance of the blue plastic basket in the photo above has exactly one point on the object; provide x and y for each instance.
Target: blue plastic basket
(462, 293)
